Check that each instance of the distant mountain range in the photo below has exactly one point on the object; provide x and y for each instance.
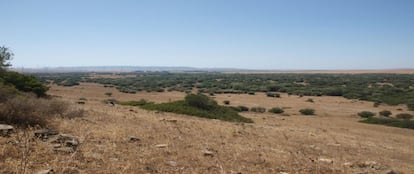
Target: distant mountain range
(193, 69)
(123, 69)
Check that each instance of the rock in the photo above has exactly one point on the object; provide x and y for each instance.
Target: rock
(5, 129)
(326, 160)
(49, 171)
(65, 140)
(45, 133)
(133, 139)
(172, 163)
(208, 152)
(161, 145)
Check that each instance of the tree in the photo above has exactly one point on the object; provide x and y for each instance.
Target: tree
(5, 56)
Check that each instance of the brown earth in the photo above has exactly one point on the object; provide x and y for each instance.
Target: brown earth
(333, 141)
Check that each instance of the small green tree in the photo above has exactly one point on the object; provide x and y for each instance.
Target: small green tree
(200, 101)
(5, 56)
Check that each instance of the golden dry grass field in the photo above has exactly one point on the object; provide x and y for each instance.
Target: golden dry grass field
(333, 141)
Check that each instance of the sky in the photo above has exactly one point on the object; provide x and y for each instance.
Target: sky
(248, 34)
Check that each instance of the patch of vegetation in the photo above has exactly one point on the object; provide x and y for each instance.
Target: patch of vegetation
(385, 113)
(404, 116)
(310, 100)
(410, 106)
(390, 122)
(141, 102)
(366, 114)
(258, 109)
(307, 111)
(196, 105)
(108, 94)
(226, 102)
(276, 110)
(272, 94)
(240, 108)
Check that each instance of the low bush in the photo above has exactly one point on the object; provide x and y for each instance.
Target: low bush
(390, 122)
(410, 106)
(385, 113)
(243, 108)
(272, 94)
(27, 110)
(404, 116)
(307, 111)
(108, 94)
(182, 107)
(141, 102)
(258, 109)
(310, 100)
(366, 114)
(226, 102)
(276, 110)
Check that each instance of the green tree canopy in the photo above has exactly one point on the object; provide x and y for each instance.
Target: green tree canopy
(5, 56)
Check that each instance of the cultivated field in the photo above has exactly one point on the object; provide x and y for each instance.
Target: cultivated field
(333, 141)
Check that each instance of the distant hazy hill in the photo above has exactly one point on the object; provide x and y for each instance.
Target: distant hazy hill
(120, 69)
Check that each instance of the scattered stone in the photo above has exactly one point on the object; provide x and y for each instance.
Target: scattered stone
(5, 129)
(49, 171)
(64, 150)
(133, 139)
(44, 134)
(172, 163)
(326, 160)
(208, 153)
(65, 140)
(161, 145)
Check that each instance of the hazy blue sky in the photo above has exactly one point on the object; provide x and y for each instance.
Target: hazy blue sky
(255, 34)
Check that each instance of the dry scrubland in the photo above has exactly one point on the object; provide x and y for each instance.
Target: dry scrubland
(331, 142)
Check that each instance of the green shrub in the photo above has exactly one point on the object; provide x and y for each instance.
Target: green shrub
(141, 102)
(404, 116)
(200, 101)
(183, 107)
(385, 113)
(258, 109)
(243, 108)
(410, 106)
(226, 102)
(108, 94)
(390, 122)
(307, 111)
(272, 94)
(366, 114)
(276, 110)
(24, 83)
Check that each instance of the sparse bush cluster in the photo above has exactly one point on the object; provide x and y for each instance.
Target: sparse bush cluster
(258, 109)
(307, 111)
(276, 110)
(366, 114)
(385, 113)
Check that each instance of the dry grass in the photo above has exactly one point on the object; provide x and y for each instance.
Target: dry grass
(272, 144)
